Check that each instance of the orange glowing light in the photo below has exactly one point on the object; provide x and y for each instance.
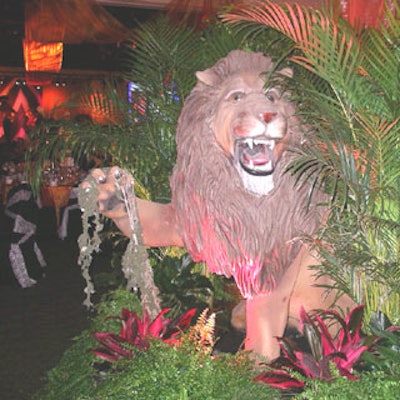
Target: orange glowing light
(43, 56)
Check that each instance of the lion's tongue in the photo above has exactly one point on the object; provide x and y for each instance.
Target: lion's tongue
(258, 155)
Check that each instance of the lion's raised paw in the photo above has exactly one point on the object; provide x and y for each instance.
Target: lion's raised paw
(111, 185)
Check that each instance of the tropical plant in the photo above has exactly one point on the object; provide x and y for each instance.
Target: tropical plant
(372, 386)
(385, 354)
(346, 84)
(182, 285)
(135, 332)
(327, 353)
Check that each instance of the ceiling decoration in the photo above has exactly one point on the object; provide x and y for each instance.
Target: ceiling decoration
(49, 24)
(165, 4)
(150, 4)
(89, 30)
(71, 22)
(197, 13)
(42, 56)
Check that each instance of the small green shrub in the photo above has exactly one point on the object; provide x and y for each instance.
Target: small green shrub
(165, 372)
(371, 386)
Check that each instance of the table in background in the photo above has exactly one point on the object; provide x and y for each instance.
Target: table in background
(57, 197)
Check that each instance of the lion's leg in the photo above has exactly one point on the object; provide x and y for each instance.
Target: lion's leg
(267, 315)
(266, 318)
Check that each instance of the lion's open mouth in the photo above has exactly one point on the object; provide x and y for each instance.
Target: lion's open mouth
(255, 155)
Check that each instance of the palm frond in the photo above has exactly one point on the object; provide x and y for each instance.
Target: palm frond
(294, 21)
(382, 56)
(161, 51)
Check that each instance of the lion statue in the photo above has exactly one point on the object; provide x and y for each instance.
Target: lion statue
(233, 204)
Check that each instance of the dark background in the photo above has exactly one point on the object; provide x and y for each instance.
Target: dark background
(82, 56)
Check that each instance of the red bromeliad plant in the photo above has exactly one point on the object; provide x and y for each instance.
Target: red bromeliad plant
(341, 352)
(135, 333)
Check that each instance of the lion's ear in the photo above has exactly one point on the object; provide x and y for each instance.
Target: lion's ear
(286, 72)
(208, 77)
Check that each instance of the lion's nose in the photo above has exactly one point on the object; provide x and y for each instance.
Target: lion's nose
(267, 117)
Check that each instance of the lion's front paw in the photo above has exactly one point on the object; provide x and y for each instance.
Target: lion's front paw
(110, 184)
(238, 317)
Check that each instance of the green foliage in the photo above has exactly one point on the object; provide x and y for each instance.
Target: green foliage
(180, 286)
(371, 386)
(178, 371)
(162, 371)
(183, 285)
(166, 372)
(386, 355)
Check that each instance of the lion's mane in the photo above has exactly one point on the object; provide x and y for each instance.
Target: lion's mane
(252, 238)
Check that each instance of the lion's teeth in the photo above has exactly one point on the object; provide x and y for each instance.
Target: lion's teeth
(254, 142)
(249, 143)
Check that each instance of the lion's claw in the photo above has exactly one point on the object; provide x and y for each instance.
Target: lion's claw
(109, 199)
(117, 174)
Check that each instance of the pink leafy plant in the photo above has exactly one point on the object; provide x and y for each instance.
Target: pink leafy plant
(341, 352)
(135, 332)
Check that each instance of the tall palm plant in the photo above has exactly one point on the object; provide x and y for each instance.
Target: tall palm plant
(347, 87)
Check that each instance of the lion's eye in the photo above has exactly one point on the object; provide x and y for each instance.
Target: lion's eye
(271, 95)
(235, 97)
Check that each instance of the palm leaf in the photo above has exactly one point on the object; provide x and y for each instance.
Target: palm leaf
(293, 21)
(382, 57)
(160, 51)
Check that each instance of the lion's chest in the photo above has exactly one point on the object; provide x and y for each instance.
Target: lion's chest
(247, 241)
